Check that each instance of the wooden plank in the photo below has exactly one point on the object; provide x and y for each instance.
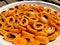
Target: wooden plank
(2, 3)
(31, 0)
(56, 1)
(11, 1)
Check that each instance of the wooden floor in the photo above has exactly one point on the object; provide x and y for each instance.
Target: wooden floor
(2, 3)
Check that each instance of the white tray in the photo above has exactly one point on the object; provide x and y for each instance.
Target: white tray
(45, 4)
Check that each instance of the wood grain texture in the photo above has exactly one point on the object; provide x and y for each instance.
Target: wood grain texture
(2, 3)
(11, 1)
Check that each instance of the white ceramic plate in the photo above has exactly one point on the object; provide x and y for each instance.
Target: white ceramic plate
(45, 4)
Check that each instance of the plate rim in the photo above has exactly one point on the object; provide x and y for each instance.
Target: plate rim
(29, 1)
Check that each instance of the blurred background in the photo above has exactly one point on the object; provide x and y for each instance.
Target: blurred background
(4, 2)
